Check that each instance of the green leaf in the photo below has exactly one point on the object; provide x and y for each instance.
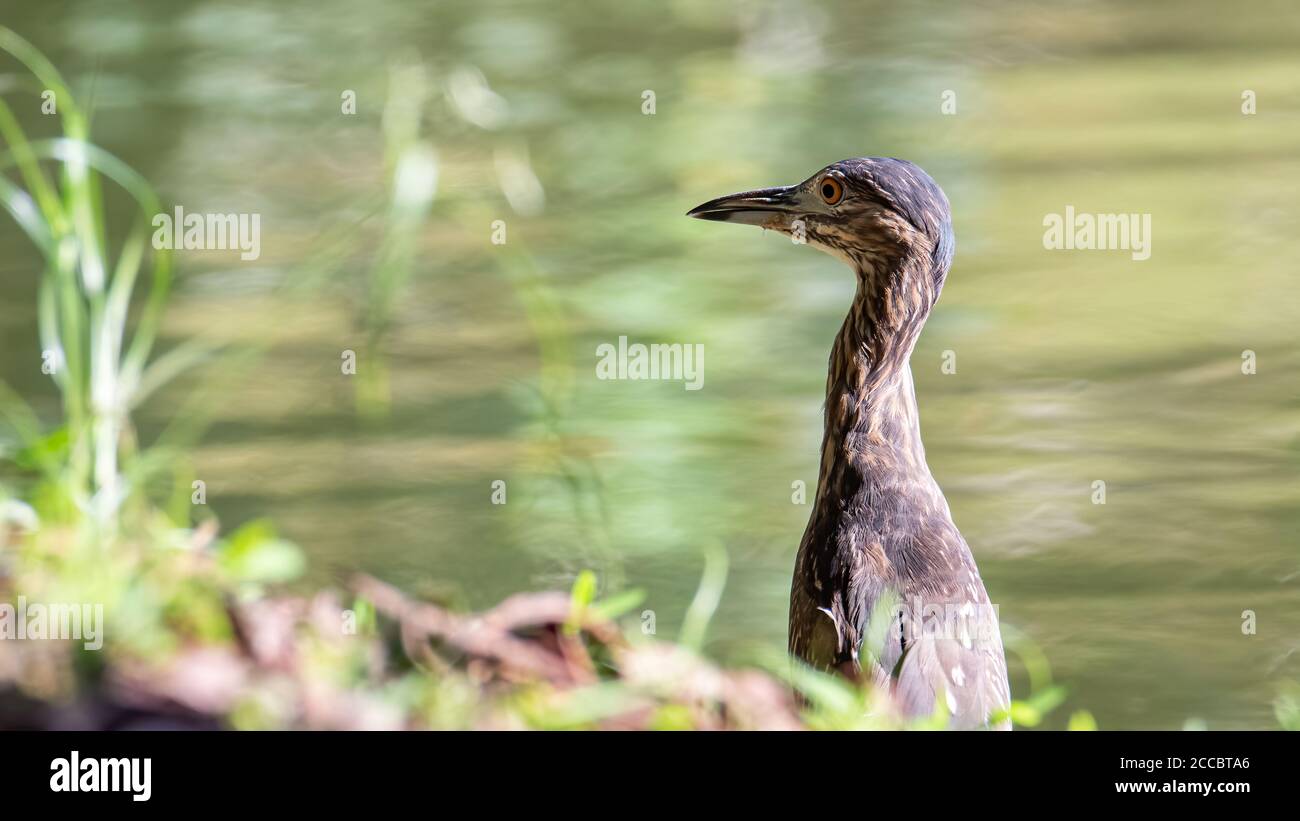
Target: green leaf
(1030, 712)
(44, 453)
(672, 717)
(584, 590)
(1025, 714)
(827, 693)
(612, 607)
(254, 553)
(580, 598)
(1287, 708)
(707, 596)
(1082, 720)
(1048, 699)
(365, 615)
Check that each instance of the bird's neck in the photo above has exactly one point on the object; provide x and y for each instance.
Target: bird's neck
(872, 423)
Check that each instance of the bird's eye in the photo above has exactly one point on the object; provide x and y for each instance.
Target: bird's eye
(832, 190)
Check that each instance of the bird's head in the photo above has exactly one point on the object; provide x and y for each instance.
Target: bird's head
(883, 216)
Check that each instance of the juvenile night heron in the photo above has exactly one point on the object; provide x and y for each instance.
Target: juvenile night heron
(881, 545)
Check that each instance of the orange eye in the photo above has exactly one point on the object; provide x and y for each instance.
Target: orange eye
(832, 190)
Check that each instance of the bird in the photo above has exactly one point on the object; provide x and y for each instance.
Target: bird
(885, 588)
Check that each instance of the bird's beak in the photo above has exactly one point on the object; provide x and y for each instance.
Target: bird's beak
(767, 207)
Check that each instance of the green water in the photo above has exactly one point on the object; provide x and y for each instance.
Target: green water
(1071, 366)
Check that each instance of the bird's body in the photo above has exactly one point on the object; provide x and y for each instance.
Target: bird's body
(884, 584)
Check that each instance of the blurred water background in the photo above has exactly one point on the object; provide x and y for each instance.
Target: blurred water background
(477, 361)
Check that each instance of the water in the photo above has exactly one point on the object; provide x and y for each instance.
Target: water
(1072, 367)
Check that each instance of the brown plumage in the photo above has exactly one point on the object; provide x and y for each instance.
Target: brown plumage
(884, 584)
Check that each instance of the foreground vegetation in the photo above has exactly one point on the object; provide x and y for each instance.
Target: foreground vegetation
(200, 629)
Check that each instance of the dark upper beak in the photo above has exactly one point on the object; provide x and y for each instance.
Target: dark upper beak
(767, 207)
